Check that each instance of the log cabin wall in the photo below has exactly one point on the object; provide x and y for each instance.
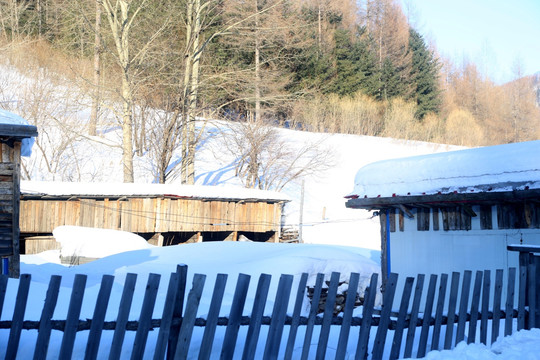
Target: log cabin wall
(150, 215)
(9, 204)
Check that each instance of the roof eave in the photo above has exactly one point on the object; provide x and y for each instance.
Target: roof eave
(438, 200)
(18, 131)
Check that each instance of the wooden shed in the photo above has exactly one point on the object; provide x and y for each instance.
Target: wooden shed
(14, 131)
(166, 213)
(454, 211)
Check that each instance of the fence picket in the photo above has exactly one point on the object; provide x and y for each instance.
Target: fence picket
(369, 302)
(388, 299)
(400, 324)
(3, 289)
(475, 303)
(178, 308)
(212, 318)
(414, 315)
(72, 321)
(509, 307)
(463, 304)
(523, 261)
(145, 317)
(485, 307)
(279, 313)
(123, 314)
(439, 312)
(237, 307)
(44, 332)
(102, 302)
(18, 316)
(188, 321)
(295, 320)
(312, 315)
(451, 318)
(327, 316)
(166, 318)
(495, 323)
(426, 320)
(257, 313)
(531, 277)
(352, 290)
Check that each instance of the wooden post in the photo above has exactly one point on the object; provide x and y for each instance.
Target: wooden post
(384, 249)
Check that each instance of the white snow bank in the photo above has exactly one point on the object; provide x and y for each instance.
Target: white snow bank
(493, 168)
(80, 241)
(522, 345)
(123, 189)
(13, 119)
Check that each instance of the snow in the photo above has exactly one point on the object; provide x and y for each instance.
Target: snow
(58, 188)
(7, 117)
(522, 345)
(211, 258)
(494, 168)
(87, 242)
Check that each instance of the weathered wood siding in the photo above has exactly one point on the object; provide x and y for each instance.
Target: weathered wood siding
(150, 215)
(6, 208)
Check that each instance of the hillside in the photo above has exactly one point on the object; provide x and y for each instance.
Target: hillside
(64, 152)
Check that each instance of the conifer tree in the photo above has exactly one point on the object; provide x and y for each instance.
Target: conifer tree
(424, 76)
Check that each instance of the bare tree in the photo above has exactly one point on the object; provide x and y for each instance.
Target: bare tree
(264, 159)
(122, 15)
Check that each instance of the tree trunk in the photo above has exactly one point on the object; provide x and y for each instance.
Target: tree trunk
(257, 65)
(127, 130)
(97, 73)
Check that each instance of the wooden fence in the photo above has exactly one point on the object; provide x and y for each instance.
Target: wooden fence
(474, 307)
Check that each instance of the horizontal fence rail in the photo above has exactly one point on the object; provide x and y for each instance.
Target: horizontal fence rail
(474, 305)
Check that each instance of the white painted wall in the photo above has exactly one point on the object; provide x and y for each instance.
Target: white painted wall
(415, 252)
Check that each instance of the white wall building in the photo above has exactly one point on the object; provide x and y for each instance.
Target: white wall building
(454, 211)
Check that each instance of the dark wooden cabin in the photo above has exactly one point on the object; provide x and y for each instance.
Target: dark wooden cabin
(13, 130)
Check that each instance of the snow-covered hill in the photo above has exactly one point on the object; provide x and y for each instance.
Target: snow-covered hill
(64, 153)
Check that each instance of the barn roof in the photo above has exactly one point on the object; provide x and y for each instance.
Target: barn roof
(502, 172)
(49, 190)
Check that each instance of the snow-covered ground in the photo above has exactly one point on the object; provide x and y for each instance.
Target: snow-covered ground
(211, 259)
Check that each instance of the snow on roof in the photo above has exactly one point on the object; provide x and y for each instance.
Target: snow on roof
(68, 189)
(494, 168)
(7, 118)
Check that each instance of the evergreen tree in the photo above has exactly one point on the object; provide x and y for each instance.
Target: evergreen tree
(356, 69)
(424, 76)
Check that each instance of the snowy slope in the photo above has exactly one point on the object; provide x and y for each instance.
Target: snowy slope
(66, 154)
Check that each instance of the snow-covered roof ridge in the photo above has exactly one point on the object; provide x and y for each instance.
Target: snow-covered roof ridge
(68, 189)
(493, 168)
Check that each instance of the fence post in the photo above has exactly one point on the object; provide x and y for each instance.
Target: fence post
(352, 290)
(181, 270)
(213, 316)
(123, 314)
(72, 321)
(382, 329)
(237, 307)
(44, 332)
(257, 313)
(18, 316)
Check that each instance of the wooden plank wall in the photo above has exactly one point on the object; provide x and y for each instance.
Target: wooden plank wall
(150, 215)
(6, 208)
